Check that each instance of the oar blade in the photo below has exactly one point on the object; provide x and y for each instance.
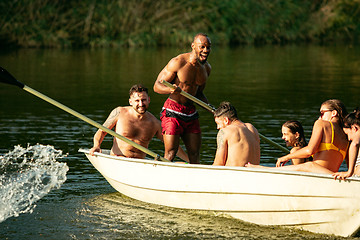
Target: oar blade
(6, 77)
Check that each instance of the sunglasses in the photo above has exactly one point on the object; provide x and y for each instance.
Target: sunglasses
(322, 112)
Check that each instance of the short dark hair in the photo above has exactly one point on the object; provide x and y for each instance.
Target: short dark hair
(352, 118)
(200, 34)
(137, 88)
(225, 109)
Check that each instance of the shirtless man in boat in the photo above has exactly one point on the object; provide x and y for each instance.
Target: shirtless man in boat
(133, 122)
(188, 72)
(237, 143)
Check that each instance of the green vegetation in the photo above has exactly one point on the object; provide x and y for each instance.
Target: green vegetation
(134, 23)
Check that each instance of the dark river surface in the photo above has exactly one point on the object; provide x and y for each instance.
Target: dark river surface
(268, 86)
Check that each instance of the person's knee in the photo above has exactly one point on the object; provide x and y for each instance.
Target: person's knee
(306, 167)
(170, 154)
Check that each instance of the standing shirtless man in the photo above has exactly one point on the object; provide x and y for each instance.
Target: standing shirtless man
(237, 143)
(187, 72)
(133, 122)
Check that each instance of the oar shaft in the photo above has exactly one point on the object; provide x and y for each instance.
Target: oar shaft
(191, 97)
(206, 106)
(269, 141)
(92, 122)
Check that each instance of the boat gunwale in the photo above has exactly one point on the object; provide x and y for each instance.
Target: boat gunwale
(211, 167)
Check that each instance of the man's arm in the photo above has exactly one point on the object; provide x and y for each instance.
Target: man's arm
(222, 149)
(100, 134)
(167, 74)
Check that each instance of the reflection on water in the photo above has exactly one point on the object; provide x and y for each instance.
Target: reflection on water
(268, 86)
(133, 219)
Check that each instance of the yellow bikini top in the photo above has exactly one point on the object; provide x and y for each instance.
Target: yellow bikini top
(331, 146)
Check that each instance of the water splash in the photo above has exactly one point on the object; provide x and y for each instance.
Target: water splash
(27, 175)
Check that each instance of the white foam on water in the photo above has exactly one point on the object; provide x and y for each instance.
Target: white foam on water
(27, 175)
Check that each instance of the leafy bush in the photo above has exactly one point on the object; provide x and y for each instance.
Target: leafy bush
(122, 23)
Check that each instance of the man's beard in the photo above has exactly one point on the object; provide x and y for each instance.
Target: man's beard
(140, 112)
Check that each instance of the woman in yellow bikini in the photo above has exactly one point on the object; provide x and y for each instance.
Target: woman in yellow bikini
(328, 143)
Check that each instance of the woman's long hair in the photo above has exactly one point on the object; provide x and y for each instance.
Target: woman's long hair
(335, 104)
(295, 126)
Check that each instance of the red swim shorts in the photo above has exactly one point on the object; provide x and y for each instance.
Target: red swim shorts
(177, 119)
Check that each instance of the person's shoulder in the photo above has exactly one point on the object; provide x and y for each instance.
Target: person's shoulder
(116, 110)
(180, 57)
(294, 149)
(151, 117)
(230, 130)
(122, 110)
(222, 135)
(251, 127)
(321, 123)
(179, 60)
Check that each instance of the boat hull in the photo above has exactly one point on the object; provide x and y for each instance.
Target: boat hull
(313, 202)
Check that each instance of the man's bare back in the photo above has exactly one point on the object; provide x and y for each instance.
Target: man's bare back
(237, 143)
(243, 144)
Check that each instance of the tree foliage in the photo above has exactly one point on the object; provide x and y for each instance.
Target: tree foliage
(122, 23)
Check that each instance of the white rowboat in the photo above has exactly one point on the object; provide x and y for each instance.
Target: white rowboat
(313, 202)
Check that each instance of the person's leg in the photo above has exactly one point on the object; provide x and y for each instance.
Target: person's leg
(192, 143)
(357, 171)
(171, 130)
(308, 167)
(171, 143)
(303, 167)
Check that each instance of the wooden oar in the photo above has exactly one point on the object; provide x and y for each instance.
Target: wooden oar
(191, 97)
(211, 109)
(6, 77)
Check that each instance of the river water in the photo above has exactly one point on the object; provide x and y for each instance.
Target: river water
(268, 86)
